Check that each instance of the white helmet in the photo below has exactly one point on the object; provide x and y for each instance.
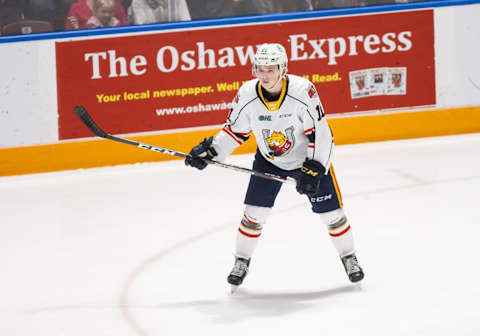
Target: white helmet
(271, 54)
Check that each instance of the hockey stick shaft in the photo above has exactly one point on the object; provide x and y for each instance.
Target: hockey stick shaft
(85, 117)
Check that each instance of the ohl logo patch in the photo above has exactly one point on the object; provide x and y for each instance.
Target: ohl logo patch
(279, 143)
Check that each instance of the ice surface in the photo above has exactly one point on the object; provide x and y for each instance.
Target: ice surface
(145, 249)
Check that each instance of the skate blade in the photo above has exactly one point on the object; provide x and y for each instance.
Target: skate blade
(233, 289)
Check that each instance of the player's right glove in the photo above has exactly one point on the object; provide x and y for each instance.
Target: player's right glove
(309, 180)
(204, 150)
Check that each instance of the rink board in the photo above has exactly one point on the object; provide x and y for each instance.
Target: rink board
(347, 130)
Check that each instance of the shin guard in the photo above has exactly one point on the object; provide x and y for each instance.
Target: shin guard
(339, 230)
(250, 230)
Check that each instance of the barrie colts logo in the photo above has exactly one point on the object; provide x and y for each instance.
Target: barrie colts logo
(277, 142)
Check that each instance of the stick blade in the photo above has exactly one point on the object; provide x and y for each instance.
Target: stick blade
(82, 113)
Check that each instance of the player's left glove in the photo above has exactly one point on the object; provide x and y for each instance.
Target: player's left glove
(309, 180)
(203, 150)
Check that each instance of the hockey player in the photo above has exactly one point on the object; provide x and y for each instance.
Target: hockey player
(285, 114)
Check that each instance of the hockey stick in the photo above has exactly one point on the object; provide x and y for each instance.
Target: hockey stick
(85, 117)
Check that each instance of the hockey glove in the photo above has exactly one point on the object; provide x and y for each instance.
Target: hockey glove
(204, 150)
(311, 175)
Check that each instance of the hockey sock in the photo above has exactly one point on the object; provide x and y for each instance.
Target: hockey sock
(340, 231)
(250, 230)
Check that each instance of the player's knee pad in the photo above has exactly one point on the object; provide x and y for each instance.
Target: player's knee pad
(336, 222)
(254, 217)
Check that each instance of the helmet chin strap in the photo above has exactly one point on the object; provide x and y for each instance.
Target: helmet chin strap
(279, 79)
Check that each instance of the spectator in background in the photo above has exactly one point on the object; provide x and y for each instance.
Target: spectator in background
(11, 11)
(178, 10)
(103, 11)
(81, 11)
(126, 5)
(152, 11)
(148, 11)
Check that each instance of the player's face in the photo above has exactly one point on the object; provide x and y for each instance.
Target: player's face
(268, 75)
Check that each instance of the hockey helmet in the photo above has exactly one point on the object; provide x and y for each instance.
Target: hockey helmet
(271, 54)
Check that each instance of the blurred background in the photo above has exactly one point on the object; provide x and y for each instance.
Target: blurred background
(58, 15)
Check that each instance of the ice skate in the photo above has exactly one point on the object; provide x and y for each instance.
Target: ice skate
(238, 273)
(353, 269)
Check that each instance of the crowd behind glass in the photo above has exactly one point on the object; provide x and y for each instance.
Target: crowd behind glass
(30, 16)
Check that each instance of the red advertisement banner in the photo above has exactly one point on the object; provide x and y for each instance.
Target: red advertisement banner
(182, 79)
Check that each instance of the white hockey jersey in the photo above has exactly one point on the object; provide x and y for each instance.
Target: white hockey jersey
(287, 131)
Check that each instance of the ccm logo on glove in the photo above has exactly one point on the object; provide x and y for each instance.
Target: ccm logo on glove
(308, 171)
(311, 175)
